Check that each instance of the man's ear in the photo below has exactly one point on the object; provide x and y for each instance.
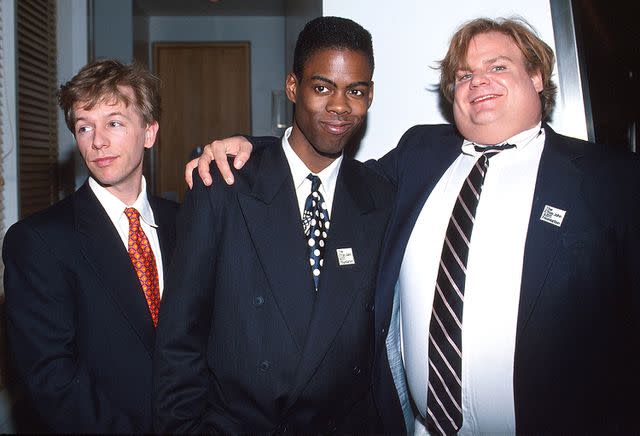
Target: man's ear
(291, 87)
(150, 133)
(370, 95)
(536, 78)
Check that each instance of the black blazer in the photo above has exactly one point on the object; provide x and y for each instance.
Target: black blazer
(80, 333)
(577, 337)
(245, 344)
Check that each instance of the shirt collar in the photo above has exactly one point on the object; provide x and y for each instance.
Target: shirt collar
(115, 207)
(520, 140)
(299, 170)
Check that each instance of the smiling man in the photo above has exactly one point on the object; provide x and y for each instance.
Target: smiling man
(83, 278)
(267, 324)
(534, 234)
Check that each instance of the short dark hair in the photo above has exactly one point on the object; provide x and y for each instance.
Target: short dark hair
(331, 32)
(100, 82)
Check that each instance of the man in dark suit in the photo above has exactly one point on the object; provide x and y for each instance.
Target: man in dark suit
(549, 279)
(549, 335)
(268, 321)
(83, 277)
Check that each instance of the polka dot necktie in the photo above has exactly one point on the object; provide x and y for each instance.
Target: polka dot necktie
(315, 222)
(144, 263)
(444, 395)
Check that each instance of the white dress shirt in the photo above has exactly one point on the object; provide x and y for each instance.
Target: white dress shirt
(115, 210)
(299, 172)
(492, 288)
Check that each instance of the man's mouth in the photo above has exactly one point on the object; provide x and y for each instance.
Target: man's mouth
(102, 162)
(336, 127)
(484, 98)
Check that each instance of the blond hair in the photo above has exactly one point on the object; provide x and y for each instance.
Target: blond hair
(102, 81)
(538, 56)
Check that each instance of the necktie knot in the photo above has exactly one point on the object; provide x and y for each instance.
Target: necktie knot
(493, 148)
(315, 182)
(132, 215)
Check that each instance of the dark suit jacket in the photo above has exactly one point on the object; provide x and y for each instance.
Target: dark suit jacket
(577, 331)
(80, 332)
(244, 342)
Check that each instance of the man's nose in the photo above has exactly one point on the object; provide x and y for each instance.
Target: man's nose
(99, 139)
(478, 79)
(338, 104)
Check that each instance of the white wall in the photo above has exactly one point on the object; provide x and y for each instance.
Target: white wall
(9, 162)
(9, 128)
(409, 37)
(266, 35)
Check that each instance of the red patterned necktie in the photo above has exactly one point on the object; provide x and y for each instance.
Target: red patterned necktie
(144, 263)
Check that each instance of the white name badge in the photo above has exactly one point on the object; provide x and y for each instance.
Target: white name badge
(553, 215)
(345, 256)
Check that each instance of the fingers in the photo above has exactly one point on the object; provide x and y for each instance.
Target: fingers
(218, 150)
(244, 153)
(188, 170)
(203, 165)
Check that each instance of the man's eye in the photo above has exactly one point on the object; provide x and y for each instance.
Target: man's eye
(356, 92)
(321, 89)
(83, 129)
(115, 124)
(462, 77)
(499, 68)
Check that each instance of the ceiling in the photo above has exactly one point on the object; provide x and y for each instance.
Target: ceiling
(206, 7)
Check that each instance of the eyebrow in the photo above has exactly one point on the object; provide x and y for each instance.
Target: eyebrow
(496, 59)
(487, 62)
(332, 83)
(110, 114)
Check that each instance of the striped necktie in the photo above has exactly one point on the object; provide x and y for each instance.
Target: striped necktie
(444, 397)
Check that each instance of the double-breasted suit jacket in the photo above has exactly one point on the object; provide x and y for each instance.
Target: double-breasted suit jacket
(245, 343)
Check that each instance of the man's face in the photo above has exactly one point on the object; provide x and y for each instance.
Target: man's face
(495, 97)
(332, 99)
(111, 138)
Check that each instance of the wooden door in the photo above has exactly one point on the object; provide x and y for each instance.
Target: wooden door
(206, 94)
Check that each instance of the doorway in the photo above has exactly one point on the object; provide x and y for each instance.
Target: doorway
(206, 94)
(607, 35)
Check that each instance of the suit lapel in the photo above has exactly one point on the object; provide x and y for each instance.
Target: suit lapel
(166, 221)
(557, 185)
(422, 168)
(105, 252)
(272, 216)
(339, 284)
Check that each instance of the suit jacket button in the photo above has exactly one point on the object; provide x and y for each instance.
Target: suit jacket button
(258, 300)
(369, 307)
(331, 426)
(356, 370)
(264, 366)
